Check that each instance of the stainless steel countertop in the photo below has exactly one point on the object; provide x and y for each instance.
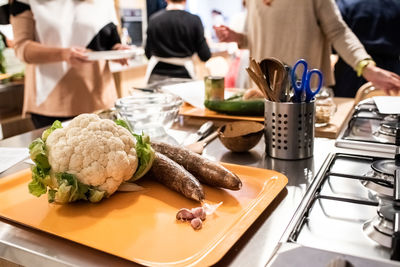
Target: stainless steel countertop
(28, 247)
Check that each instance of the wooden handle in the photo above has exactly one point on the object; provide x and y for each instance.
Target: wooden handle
(256, 67)
(276, 92)
(209, 138)
(254, 77)
(257, 76)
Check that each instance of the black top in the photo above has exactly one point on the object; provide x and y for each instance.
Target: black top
(175, 33)
(376, 23)
(153, 6)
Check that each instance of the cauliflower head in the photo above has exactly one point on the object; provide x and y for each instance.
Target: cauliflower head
(97, 151)
(87, 160)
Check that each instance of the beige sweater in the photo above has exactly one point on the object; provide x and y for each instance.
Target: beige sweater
(81, 90)
(294, 29)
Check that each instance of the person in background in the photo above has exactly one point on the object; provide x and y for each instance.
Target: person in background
(375, 23)
(290, 30)
(153, 6)
(237, 76)
(5, 26)
(238, 20)
(60, 82)
(173, 36)
(217, 17)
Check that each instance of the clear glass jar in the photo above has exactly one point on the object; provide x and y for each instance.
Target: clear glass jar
(325, 107)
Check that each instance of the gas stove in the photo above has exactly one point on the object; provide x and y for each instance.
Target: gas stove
(350, 216)
(367, 129)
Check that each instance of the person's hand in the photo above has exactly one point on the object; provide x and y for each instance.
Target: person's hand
(75, 56)
(382, 79)
(123, 61)
(225, 34)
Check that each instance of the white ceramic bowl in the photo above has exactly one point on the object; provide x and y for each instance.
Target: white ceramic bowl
(151, 113)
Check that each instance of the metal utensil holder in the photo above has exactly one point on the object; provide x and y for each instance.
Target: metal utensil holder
(289, 129)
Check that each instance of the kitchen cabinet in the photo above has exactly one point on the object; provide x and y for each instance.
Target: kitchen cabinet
(11, 120)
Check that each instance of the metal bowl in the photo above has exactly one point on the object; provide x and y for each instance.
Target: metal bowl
(150, 113)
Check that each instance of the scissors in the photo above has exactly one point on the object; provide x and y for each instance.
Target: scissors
(303, 87)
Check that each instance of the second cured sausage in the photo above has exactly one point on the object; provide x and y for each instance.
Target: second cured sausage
(175, 177)
(205, 170)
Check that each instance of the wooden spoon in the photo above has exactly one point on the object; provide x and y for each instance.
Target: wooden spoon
(256, 74)
(275, 73)
(199, 146)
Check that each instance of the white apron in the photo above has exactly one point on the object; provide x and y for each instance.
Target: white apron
(186, 62)
(65, 23)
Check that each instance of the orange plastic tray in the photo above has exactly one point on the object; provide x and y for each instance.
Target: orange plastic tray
(141, 226)
(188, 110)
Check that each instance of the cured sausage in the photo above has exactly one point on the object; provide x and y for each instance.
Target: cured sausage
(205, 170)
(175, 177)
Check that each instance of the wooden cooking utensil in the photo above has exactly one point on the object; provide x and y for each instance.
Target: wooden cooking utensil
(276, 82)
(256, 74)
(257, 80)
(265, 85)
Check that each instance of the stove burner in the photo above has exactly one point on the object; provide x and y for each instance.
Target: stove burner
(392, 118)
(380, 228)
(385, 166)
(386, 132)
(389, 128)
(382, 169)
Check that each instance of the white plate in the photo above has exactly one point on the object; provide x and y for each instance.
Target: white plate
(110, 55)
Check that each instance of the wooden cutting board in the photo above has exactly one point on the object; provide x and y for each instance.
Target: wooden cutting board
(141, 226)
(344, 107)
(188, 110)
(332, 130)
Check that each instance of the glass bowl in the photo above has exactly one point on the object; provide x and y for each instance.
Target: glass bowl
(150, 113)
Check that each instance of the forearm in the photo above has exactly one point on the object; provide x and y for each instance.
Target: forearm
(203, 51)
(36, 53)
(242, 40)
(147, 49)
(339, 34)
(225, 34)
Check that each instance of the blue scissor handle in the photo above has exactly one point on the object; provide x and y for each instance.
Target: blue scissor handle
(299, 88)
(303, 77)
(309, 93)
(303, 87)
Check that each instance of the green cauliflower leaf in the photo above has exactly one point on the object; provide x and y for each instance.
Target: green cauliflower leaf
(56, 125)
(144, 151)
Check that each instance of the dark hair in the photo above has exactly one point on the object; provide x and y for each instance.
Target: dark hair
(216, 12)
(177, 1)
